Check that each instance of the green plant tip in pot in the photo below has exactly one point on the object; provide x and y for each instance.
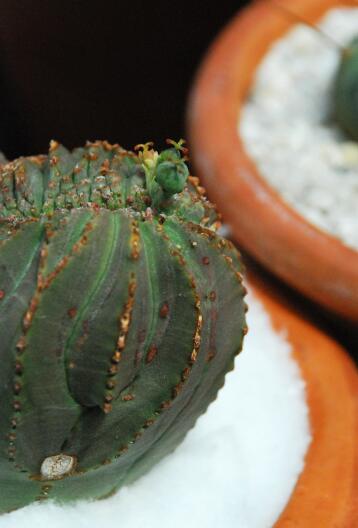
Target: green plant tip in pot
(121, 310)
(345, 96)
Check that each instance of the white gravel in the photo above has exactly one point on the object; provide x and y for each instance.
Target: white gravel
(288, 130)
(235, 469)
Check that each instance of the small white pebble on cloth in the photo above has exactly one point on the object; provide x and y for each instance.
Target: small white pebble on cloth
(288, 128)
(236, 469)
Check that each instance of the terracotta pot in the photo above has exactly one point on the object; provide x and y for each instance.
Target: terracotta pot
(326, 494)
(315, 263)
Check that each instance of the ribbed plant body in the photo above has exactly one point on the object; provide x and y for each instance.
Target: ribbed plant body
(345, 96)
(121, 310)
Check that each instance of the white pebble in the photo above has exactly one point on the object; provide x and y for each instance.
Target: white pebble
(56, 466)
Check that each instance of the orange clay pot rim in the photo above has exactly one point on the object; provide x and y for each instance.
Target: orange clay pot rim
(326, 491)
(214, 98)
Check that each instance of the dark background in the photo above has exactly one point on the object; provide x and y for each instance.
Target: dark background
(117, 70)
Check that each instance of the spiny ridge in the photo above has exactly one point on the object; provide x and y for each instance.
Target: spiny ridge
(102, 175)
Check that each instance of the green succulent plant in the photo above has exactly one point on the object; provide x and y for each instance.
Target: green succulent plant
(121, 310)
(346, 90)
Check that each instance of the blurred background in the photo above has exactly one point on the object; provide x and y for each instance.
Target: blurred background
(117, 70)
(75, 70)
